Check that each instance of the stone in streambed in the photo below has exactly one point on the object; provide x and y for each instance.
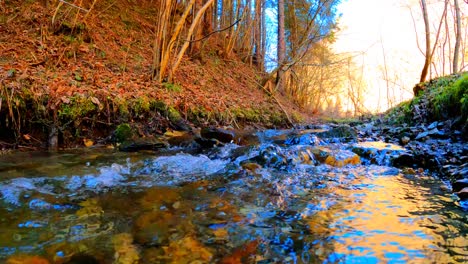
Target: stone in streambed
(336, 158)
(179, 138)
(460, 184)
(463, 193)
(378, 152)
(405, 140)
(222, 135)
(142, 144)
(82, 259)
(343, 133)
(433, 133)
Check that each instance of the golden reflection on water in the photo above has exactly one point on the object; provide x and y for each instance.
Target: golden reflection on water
(384, 223)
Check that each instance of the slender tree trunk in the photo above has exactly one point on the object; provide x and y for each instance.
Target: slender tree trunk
(458, 37)
(280, 81)
(208, 18)
(257, 32)
(184, 47)
(427, 61)
(195, 46)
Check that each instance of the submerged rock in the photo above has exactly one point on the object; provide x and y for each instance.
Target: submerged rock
(335, 157)
(142, 144)
(82, 259)
(341, 133)
(222, 135)
(433, 133)
(378, 152)
(463, 193)
(460, 184)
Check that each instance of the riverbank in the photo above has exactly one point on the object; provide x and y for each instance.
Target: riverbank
(70, 82)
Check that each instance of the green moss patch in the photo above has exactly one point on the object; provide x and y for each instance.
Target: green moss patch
(442, 99)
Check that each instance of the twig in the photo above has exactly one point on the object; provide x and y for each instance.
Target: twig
(80, 8)
(217, 31)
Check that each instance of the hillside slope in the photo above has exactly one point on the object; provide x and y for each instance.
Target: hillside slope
(440, 99)
(79, 75)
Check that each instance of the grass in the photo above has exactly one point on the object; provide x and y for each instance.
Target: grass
(443, 98)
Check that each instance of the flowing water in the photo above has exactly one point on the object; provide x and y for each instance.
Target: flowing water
(287, 199)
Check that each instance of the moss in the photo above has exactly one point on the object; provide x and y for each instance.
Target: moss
(123, 132)
(248, 114)
(296, 117)
(277, 118)
(142, 105)
(159, 106)
(173, 115)
(172, 87)
(451, 100)
(77, 107)
(122, 107)
(199, 112)
(402, 113)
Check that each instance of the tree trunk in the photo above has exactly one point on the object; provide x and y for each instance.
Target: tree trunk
(195, 47)
(280, 81)
(427, 61)
(257, 57)
(184, 47)
(458, 37)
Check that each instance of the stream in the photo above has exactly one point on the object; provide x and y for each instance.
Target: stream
(291, 197)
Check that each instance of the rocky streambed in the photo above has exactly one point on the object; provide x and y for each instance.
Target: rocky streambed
(315, 194)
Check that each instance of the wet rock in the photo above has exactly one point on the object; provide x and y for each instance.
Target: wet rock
(433, 125)
(53, 138)
(246, 138)
(82, 259)
(342, 133)
(308, 137)
(404, 140)
(404, 160)
(336, 157)
(142, 144)
(207, 143)
(269, 156)
(180, 138)
(302, 155)
(222, 135)
(378, 152)
(460, 184)
(433, 133)
(463, 193)
(250, 166)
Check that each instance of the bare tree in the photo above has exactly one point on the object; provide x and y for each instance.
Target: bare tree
(458, 37)
(427, 61)
(281, 46)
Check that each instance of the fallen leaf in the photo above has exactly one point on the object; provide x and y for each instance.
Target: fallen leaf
(65, 99)
(95, 100)
(88, 142)
(27, 136)
(241, 254)
(27, 260)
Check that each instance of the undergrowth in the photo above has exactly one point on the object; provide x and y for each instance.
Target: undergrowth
(443, 98)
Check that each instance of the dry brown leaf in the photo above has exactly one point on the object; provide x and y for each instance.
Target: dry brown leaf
(95, 100)
(65, 99)
(88, 142)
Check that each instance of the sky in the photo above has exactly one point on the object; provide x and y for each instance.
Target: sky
(372, 28)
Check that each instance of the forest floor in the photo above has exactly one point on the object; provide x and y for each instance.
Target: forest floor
(80, 75)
